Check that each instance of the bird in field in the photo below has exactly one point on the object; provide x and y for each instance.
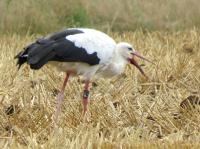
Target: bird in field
(80, 51)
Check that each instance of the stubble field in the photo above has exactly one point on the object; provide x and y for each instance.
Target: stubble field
(127, 111)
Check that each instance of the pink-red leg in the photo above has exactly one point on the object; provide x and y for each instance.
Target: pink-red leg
(60, 98)
(85, 97)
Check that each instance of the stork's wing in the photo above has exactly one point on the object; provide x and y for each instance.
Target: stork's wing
(94, 41)
(73, 45)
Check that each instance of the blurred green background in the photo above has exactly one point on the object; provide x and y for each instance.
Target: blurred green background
(44, 16)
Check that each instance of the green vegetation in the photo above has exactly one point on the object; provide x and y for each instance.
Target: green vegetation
(44, 16)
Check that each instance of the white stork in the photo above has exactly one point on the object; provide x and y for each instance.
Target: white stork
(80, 51)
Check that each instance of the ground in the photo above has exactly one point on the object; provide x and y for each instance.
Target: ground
(128, 111)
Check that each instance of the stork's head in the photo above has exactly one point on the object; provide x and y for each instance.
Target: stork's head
(129, 53)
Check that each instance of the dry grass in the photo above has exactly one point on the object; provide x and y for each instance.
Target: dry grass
(126, 112)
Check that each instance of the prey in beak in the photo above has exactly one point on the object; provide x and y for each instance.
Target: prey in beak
(134, 62)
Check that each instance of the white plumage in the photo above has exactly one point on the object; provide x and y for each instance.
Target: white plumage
(95, 41)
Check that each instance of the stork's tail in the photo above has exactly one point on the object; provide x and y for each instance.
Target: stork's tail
(36, 54)
(21, 57)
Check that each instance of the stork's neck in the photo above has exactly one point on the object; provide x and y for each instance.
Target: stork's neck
(114, 67)
(118, 63)
(118, 58)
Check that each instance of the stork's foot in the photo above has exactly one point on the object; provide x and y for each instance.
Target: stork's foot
(86, 117)
(60, 98)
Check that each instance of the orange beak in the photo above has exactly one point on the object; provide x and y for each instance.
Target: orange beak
(134, 62)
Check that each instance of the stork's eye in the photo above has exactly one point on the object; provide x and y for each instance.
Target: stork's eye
(130, 49)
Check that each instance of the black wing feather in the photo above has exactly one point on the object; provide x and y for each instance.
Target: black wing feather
(55, 48)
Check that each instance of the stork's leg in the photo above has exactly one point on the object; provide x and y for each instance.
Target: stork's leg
(60, 98)
(85, 97)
